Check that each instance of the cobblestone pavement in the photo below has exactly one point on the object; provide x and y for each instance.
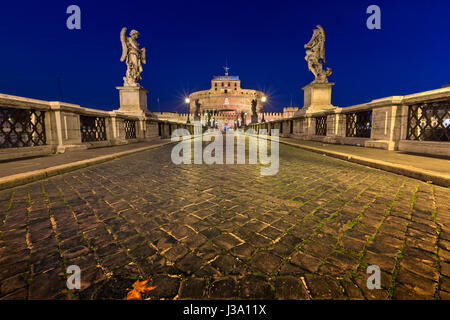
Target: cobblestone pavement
(225, 231)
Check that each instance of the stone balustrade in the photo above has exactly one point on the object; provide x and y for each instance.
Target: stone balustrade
(418, 123)
(31, 127)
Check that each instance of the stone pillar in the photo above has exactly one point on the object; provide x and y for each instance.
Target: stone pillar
(66, 130)
(311, 126)
(133, 99)
(317, 97)
(340, 129)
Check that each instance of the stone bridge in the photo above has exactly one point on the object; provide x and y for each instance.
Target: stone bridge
(126, 212)
(225, 231)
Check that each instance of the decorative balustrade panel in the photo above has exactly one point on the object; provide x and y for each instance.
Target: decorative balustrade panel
(359, 124)
(130, 129)
(92, 128)
(21, 128)
(321, 126)
(429, 121)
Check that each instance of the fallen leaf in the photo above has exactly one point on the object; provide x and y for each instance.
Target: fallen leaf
(139, 287)
(134, 295)
(429, 182)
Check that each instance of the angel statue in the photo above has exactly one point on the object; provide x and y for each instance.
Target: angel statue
(197, 110)
(254, 117)
(315, 55)
(134, 56)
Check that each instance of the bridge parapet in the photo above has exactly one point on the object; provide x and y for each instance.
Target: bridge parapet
(418, 123)
(31, 127)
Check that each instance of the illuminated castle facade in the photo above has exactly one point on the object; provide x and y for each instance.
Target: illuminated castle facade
(226, 102)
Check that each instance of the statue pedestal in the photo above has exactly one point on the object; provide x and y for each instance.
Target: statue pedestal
(317, 97)
(133, 99)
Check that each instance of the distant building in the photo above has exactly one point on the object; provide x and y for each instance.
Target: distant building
(225, 101)
(288, 112)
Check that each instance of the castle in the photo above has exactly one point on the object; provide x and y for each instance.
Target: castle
(225, 105)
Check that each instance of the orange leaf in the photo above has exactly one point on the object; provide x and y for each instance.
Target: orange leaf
(134, 295)
(149, 288)
(138, 288)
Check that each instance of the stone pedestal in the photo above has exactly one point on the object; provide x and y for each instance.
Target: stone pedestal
(133, 99)
(317, 97)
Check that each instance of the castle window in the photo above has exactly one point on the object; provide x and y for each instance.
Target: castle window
(222, 84)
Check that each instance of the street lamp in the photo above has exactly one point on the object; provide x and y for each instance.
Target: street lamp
(188, 106)
(263, 100)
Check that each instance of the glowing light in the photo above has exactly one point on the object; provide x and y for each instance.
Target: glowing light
(187, 100)
(264, 99)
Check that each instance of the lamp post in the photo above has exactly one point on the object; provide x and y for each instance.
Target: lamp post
(188, 106)
(263, 100)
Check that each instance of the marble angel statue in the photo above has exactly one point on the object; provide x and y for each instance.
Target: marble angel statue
(133, 56)
(315, 56)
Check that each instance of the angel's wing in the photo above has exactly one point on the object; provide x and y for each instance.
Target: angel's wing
(143, 56)
(322, 43)
(123, 39)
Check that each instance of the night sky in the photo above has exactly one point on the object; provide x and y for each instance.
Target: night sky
(188, 42)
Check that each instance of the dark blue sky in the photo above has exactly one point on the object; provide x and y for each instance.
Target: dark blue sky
(188, 42)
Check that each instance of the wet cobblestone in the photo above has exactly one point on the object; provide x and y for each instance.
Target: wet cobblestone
(225, 231)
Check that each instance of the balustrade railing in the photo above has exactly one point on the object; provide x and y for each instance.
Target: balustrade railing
(359, 124)
(130, 129)
(21, 128)
(321, 126)
(429, 121)
(92, 128)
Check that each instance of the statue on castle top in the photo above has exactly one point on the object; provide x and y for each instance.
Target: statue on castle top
(315, 56)
(134, 57)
